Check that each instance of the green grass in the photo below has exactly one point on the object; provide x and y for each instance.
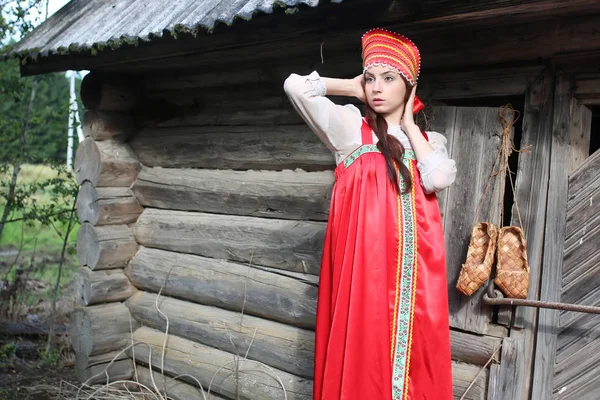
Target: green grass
(36, 241)
(33, 234)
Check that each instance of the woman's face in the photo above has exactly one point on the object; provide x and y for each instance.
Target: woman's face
(385, 89)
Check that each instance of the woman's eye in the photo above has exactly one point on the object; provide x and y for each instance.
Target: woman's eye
(370, 79)
(389, 78)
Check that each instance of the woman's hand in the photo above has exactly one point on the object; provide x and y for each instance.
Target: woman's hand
(359, 88)
(408, 119)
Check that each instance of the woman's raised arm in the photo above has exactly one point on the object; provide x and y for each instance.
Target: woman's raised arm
(337, 126)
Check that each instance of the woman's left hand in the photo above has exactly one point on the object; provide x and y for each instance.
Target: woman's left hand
(408, 119)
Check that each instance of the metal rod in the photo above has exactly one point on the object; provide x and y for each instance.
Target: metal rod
(500, 300)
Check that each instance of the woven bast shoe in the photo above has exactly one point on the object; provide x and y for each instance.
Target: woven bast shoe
(478, 266)
(512, 271)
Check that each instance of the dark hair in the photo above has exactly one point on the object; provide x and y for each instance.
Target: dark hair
(390, 147)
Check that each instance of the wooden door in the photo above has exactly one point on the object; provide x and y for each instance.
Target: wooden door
(474, 137)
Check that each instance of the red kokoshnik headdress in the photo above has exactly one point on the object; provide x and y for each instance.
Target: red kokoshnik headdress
(381, 47)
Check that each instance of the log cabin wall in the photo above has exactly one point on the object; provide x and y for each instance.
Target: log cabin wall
(235, 193)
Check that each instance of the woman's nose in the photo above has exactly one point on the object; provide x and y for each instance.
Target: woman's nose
(377, 86)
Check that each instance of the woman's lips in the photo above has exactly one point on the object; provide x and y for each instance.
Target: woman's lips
(378, 101)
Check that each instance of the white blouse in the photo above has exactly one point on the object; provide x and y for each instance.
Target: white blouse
(339, 127)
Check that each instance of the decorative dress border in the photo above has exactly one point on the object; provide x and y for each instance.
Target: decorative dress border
(406, 284)
(372, 148)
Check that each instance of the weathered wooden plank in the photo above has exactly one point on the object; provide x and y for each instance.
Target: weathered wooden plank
(584, 176)
(475, 143)
(105, 247)
(582, 246)
(581, 130)
(585, 387)
(270, 194)
(583, 209)
(174, 388)
(542, 383)
(575, 337)
(493, 386)
(282, 346)
(234, 376)
(239, 148)
(462, 377)
(94, 287)
(225, 284)
(284, 244)
(107, 206)
(101, 329)
(106, 163)
(586, 358)
(531, 187)
(512, 365)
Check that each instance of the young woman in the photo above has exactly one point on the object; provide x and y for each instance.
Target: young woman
(382, 316)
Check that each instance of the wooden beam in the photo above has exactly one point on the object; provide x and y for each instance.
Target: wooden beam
(101, 329)
(234, 377)
(105, 163)
(105, 247)
(174, 388)
(270, 194)
(107, 206)
(284, 244)
(587, 91)
(279, 345)
(234, 147)
(543, 373)
(531, 188)
(506, 383)
(225, 284)
(473, 349)
(94, 287)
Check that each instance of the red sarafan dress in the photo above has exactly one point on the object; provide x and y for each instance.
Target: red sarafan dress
(382, 315)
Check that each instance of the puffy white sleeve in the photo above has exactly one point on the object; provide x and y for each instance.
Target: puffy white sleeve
(437, 170)
(337, 126)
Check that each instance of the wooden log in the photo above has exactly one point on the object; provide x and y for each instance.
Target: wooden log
(101, 329)
(279, 345)
(270, 194)
(462, 377)
(233, 378)
(103, 125)
(109, 92)
(107, 206)
(224, 284)
(473, 349)
(94, 287)
(97, 373)
(105, 163)
(283, 244)
(175, 388)
(105, 247)
(510, 369)
(236, 147)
